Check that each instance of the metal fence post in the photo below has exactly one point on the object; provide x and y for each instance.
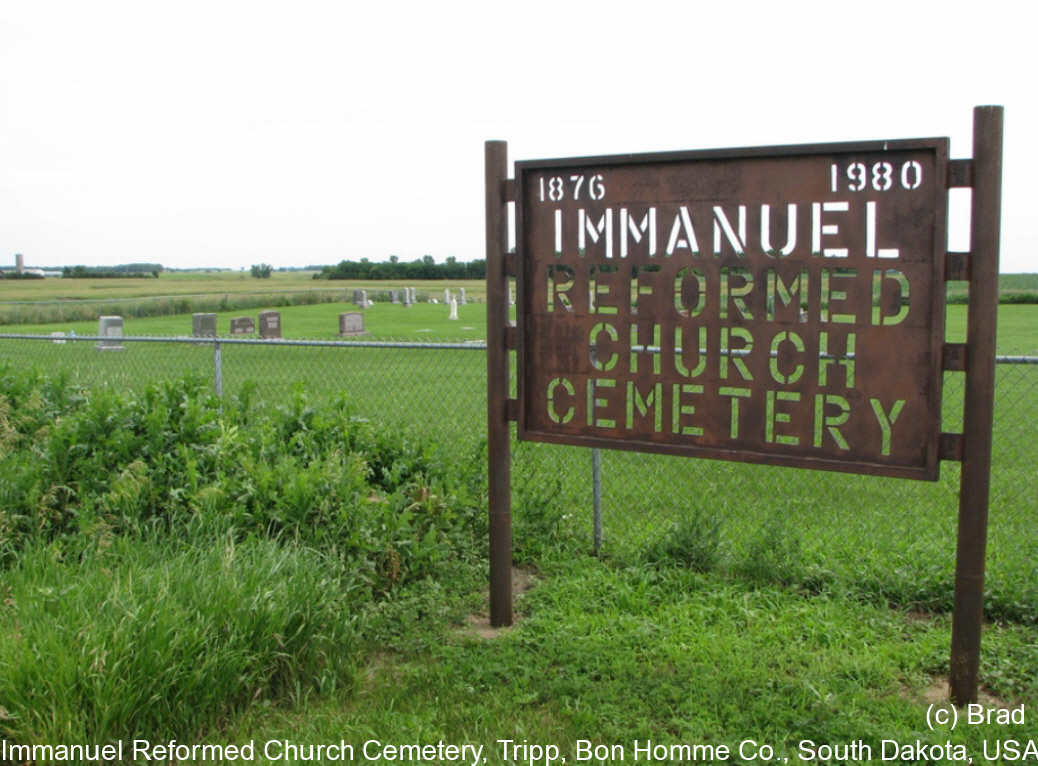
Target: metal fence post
(217, 369)
(596, 489)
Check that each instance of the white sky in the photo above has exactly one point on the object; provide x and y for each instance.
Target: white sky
(227, 133)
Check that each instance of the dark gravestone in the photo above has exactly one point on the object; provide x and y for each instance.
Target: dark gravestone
(203, 325)
(270, 324)
(243, 326)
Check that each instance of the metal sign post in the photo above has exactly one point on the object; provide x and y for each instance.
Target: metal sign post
(981, 269)
(781, 305)
(498, 429)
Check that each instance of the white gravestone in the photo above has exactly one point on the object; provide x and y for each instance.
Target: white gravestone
(110, 327)
(461, 296)
(351, 323)
(454, 309)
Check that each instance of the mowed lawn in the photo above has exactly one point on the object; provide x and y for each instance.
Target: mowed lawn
(383, 320)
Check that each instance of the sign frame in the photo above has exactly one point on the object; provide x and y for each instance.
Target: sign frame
(927, 469)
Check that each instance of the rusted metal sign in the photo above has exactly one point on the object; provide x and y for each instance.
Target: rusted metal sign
(780, 305)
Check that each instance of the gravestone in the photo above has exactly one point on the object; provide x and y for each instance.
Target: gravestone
(364, 302)
(407, 296)
(394, 297)
(461, 296)
(270, 324)
(414, 294)
(243, 326)
(110, 327)
(454, 309)
(446, 295)
(351, 324)
(358, 297)
(203, 325)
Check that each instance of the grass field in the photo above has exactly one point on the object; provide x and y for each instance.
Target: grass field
(201, 283)
(904, 553)
(1010, 287)
(25, 302)
(316, 322)
(815, 629)
(821, 611)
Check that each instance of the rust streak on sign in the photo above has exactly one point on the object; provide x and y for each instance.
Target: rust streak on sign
(779, 305)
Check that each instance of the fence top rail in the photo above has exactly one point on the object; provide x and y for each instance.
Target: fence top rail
(476, 345)
(1016, 359)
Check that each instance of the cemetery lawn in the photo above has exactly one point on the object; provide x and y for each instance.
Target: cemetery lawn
(382, 321)
(1017, 324)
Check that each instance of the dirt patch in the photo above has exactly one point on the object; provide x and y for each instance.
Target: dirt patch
(478, 625)
(938, 692)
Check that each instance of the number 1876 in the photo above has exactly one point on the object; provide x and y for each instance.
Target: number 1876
(555, 188)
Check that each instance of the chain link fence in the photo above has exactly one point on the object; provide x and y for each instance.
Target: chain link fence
(878, 537)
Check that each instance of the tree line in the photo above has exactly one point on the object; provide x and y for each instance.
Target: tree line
(394, 268)
(151, 270)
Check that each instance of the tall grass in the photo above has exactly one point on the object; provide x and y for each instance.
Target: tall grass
(170, 557)
(156, 638)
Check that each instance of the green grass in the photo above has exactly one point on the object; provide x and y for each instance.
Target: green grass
(30, 302)
(900, 551)
(1012, 288)
(199, 283)
(612, 656)
(423, 321)
(169, 557)
(1017, 324)
(154, 637)
(247, 586)
(816, 605)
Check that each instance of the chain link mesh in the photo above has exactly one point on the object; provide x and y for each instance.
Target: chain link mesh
(880, 537)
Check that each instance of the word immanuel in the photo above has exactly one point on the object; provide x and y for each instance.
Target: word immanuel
(780, 305)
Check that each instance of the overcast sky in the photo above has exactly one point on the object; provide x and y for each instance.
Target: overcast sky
(227, 133)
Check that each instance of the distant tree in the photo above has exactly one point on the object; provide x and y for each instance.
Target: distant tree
(394, 268)
(262, 270)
